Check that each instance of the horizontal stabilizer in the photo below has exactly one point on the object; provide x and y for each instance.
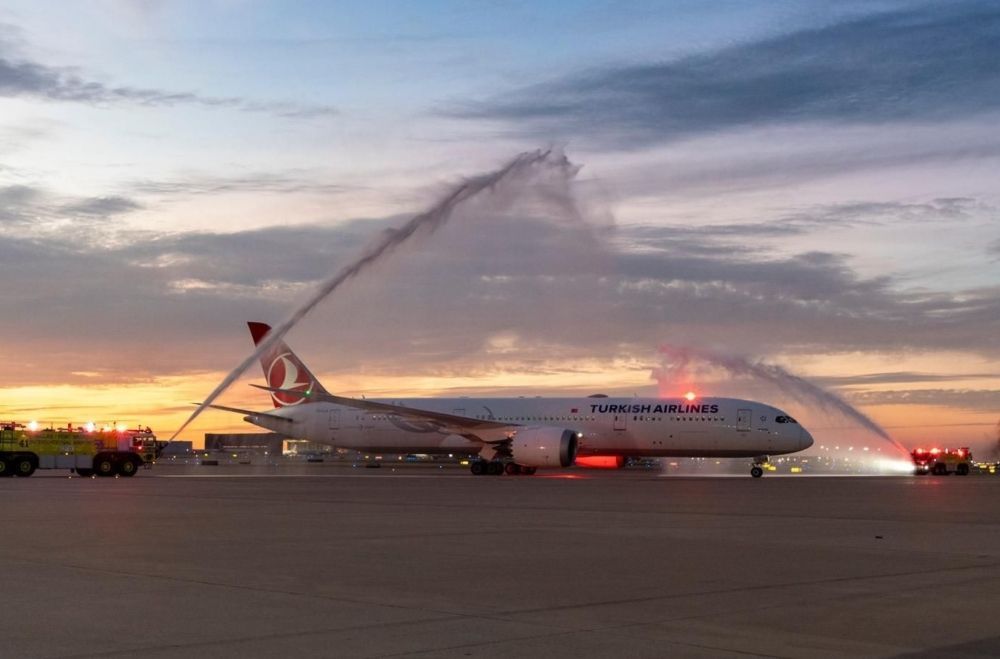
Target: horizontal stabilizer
(237, 410)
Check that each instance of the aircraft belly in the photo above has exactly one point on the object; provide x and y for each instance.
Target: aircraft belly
(384, 440)
(677, 441)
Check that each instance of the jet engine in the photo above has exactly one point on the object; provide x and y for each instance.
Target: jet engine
(544, 446)
(601, 461)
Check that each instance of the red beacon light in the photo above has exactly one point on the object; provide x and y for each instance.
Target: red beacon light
(690, 395)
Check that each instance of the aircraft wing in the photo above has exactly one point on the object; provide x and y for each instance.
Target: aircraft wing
(461, 425)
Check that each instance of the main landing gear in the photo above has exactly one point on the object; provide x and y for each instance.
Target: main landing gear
(757, 470)
(497, 467)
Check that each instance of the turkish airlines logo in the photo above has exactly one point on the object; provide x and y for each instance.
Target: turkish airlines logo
(284, 374)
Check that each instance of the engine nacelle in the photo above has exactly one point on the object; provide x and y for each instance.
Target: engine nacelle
(544, 446)
(601, 461)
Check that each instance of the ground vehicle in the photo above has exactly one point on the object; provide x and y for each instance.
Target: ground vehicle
(107, 451)
(941, 462)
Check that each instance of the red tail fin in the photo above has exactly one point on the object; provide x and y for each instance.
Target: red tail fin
(283, 369)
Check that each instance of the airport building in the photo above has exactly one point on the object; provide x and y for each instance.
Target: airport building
(261, 443)
(177, 449)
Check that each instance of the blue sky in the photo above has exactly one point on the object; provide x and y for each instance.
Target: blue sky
(812, 184)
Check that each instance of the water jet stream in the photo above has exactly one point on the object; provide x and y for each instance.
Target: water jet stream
(422, 224)
(792, 385)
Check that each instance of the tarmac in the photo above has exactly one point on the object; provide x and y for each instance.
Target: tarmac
(330, 561)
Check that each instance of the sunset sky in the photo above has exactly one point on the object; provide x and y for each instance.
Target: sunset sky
(812, 185)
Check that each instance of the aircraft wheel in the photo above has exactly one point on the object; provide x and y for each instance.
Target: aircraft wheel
(494, 468)
(529, 471)
(756, 471)
(478, 468)
(512, 469)
(24, 466)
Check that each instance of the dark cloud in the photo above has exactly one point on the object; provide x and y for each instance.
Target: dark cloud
(285, 255)
(973, 400)
(34, 208)
(755, 162)
(204, 184)
(898, 377)
(530, 288)
(23, 77)
(102, 206)
(994, 247)
(932, 62)
(21, 204)
(706, 239)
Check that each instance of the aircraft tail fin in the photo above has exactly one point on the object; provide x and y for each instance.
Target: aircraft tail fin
(284, 370)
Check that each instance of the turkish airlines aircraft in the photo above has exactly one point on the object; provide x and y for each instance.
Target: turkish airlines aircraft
(518, 435)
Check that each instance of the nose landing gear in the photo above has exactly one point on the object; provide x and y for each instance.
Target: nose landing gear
(757, 470)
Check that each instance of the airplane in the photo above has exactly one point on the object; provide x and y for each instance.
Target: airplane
(519, 435)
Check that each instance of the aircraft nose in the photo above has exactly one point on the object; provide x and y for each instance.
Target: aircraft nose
(805, 439)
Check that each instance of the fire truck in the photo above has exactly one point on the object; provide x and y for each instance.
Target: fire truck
(87, 450)
(941, 462)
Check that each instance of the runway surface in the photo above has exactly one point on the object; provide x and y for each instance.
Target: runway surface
(336, 562)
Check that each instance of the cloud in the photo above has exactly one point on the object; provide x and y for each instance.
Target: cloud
(288, 182)
(529, 288)
(804, 221)
(16, 202)
(935, 62)
(34, 210)
(21, 77)
(994, 247)
(898, 377)
(974, 400)
(102, 206)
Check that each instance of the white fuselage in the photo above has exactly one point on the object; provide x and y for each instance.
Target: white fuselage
(707, 427)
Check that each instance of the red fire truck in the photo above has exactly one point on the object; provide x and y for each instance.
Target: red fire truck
(941, 462)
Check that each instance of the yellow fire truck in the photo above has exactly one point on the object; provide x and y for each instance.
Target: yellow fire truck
(88, 450)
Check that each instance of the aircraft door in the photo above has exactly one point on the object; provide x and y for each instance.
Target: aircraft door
(743, 418)
(334, 420)
(620, 422)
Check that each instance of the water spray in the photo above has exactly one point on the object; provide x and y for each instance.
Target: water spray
(422, 224)
(791, 384)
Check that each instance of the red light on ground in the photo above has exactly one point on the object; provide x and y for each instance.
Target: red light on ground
(600, 461)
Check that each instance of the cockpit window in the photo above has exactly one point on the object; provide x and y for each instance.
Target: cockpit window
(784, 419)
